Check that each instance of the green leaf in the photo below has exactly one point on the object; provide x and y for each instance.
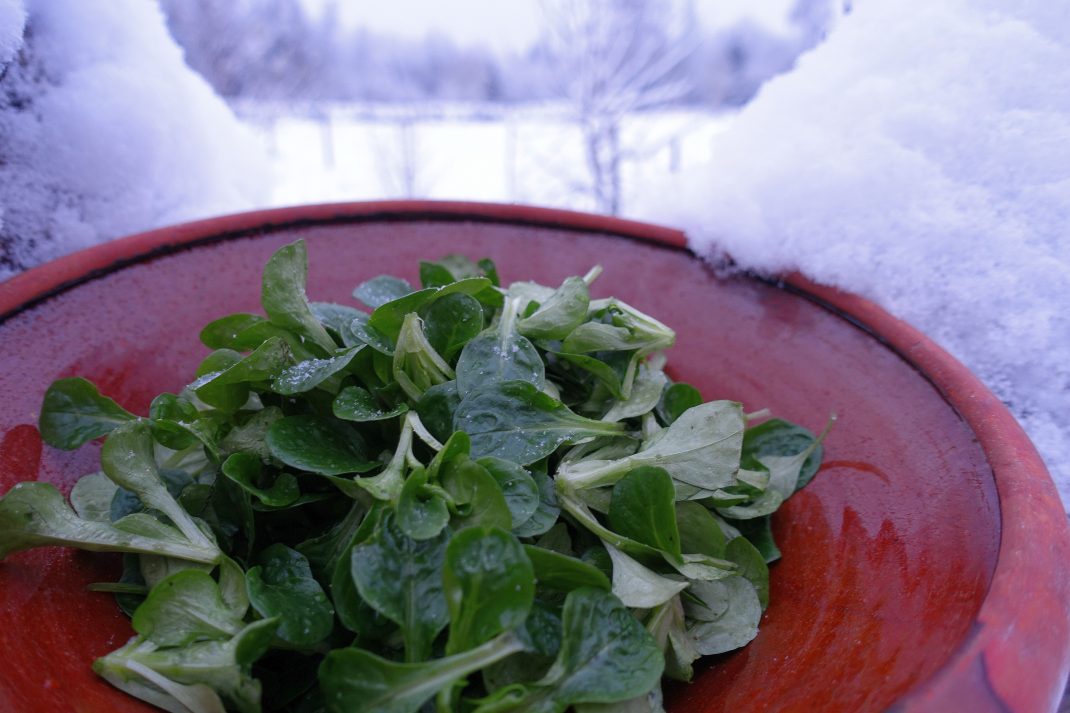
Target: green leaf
(489, 270)
(387, 484)
(777, 437)
(476, 494)
(356, 681)
(784, 474)
(500, 354)
(265, 363)
(417, 366)
(188, 606)
(760, 533)
(282, 587)
(456, 446)
(127, 459)
(388, 317)
(451, 322)
(420, 515)
(432, 274)
(314, 445)
(244, 469)
(92, 495)
(174, 423)
(307, 375)
(249, 436)
(722, 615)
(197, 677)
(675, 400)
(624, 328)
(643, 509)
(226, 509)
(558, 538)
(35, 515)
(232, 588)
(283, 295)
(156, 568)
(337, 319)
(651, 702)
(489, 586)
(224, 377)
(364, 333)
(519, 488)
(667, 625)
(646, 392)
(254, 336)
(354, 403)
(638, 586)
(562, 573)
(600, 370)
(555, 318)
(515, 421)
(699, 531)
(606, 656)
(546, 513)
(436, 409)
(451, 269)
(74, 413)
(752, 566)
(223, 332)
(324, 550)
(700, 450)
(347, 600)
(402, 579)
(377, 291)
(691, 566)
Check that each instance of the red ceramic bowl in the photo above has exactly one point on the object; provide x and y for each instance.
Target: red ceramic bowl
(923, 568)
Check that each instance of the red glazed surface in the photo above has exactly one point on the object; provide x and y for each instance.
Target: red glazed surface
(922, 569)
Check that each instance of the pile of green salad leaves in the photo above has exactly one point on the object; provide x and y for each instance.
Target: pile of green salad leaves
(469, 498)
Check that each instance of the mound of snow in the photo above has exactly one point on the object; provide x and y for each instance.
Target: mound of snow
(12, 24)
(920, 157)
(105, 131)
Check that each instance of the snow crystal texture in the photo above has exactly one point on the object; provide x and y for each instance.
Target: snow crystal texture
(105, 131)
(12, 24)
(921, 158)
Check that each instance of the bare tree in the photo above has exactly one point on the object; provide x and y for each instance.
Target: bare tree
(612, 58)
(400, 156)
(265, 49)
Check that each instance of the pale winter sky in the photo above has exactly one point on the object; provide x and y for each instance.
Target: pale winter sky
(512, 24)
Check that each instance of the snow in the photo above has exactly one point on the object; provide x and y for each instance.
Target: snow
(12, 23)
(524, 153)
(104, 131)
(920, 157)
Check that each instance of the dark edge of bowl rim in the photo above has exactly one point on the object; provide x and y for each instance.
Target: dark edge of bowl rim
(1025, 490)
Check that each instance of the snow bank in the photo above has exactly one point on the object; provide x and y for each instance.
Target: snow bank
(105, 131)
(12, 24)
(920, 157)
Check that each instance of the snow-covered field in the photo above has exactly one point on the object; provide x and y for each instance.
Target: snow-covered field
(523, 154)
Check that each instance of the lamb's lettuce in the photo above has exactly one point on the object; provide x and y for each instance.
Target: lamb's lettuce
(467, 498)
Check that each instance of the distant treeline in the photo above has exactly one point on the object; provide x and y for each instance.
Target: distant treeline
(274, 50)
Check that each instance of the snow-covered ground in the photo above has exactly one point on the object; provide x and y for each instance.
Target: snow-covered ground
(524, 154)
